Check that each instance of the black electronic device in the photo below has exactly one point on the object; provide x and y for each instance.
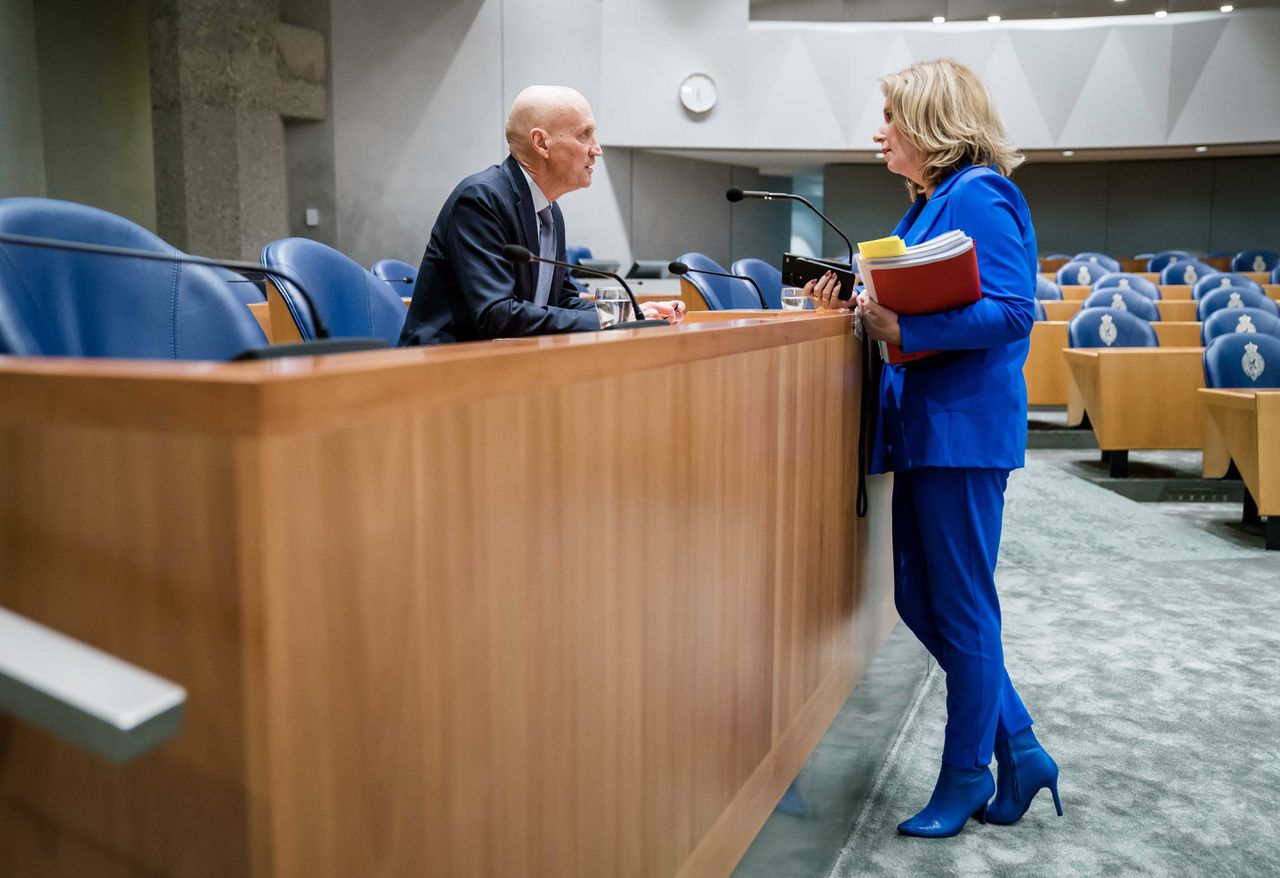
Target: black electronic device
(799, 270)
(647, 269)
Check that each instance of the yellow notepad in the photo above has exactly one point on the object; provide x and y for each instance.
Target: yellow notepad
(882, 247)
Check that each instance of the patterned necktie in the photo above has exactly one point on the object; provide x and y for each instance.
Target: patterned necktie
(547, 250)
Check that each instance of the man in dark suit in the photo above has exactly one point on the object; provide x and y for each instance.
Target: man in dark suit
(466, 291)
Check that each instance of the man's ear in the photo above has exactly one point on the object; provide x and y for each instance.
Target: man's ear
(538, 138)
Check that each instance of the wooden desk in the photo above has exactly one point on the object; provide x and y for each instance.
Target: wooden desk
(567, 606)
(1244, 426)
(1170, 310)
(1138, 398)
(1045, 371)
(1177, 333)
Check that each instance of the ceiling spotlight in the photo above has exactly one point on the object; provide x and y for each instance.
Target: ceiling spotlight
(1202, 149)
(1070, 152)
(941, 19)
(1160, 13)
(994, 19)
(1226, 8)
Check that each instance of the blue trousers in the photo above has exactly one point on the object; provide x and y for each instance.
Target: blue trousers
(946, 533)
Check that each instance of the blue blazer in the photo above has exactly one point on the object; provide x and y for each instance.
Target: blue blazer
(466, 291)
(966, 407)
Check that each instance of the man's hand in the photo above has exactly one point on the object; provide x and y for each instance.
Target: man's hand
(879, 322)
(672, 312)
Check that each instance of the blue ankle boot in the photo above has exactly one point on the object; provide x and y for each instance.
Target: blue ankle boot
(1024, 770)
(960, 793)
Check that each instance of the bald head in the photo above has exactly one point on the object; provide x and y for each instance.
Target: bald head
(552, 134)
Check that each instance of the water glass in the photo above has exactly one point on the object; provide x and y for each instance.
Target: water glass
(794, 299)
(612, 306)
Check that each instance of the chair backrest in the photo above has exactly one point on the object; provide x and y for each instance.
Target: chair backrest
(59, 303)
(1185, 272)
(1255, 260)
(400, 275)
(1123, 299)
(1275, 275)
(1210, 282)
(1244, 320)
(1066, 256)
(1244, 361)
(352, 302)
(1234, 297)
(1126, 280)
(1080, 273)
(720, 293)
(573, 254)
(1107, 262)
(1110, 328)
(1039, 306)
(765, 275)
(1158, 262)
(1047, 289)
(247, 289)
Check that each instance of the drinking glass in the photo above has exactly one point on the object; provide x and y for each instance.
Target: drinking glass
(612, 306)
(794, 299)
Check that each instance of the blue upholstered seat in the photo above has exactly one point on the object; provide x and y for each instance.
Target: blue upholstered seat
(1255, 260)
(1047, 289)
(1244, 320)
(1066, 256)
(768, 278)
(1210, 282)
(1185, 272)
(573, 254)
(1233, 297)
(1123, 299)
(59, 303)
(1080, 274)
(1039, 306)
(1110, 328)
(1158, 262)
(720, 293)
(352, 302)
(1125, 279)
(400, 275)
(1275, 275)
(1243, 360)
(1102, 259)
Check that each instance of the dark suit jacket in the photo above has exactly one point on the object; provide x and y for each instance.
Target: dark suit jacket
(466, 291)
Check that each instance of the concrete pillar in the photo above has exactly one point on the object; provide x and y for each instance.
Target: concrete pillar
(22, 170)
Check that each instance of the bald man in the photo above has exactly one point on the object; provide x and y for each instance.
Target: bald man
(466, 291)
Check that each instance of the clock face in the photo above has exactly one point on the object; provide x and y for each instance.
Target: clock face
(698, 93)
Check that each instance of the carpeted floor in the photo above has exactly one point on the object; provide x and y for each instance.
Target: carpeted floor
(1148, 649)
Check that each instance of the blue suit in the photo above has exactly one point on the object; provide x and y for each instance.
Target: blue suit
(951, 427)
(466, 291)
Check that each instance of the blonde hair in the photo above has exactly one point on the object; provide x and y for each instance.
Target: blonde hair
(944, 110)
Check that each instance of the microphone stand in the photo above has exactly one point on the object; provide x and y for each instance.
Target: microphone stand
(680, 269)
(517, 255)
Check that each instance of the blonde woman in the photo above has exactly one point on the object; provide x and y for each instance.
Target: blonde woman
(951, 429)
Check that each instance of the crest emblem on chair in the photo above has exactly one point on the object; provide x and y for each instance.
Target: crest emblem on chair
(1189, 275)
(1107, 330)
(1093, 259)
(1259, 264)
(1226, 282)
(1234, 301)
(1082, 276)
(1124, 283)
(1252, 362)
(1117, 301)
(1246, 324)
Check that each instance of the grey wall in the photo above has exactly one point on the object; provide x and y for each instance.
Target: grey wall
(309, 146)
(21, 133)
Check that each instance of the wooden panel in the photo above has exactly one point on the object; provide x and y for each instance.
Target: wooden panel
(693, 300)
(1175, 292)
(1177, 333)
(1171, 310)
(284, 327)
(1045, 370)
(1245, 427)
(1076, 293)
(1140, 398)
(1272, 290)
(1062, 310)
(461, 612)
(262, 313)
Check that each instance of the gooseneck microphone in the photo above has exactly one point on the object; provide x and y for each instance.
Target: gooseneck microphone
(735, 195)
(679, 268)
(517, 255)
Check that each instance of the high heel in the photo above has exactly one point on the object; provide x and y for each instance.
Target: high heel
(1024, 768)
(959, 794)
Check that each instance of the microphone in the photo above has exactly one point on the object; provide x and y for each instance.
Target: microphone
(517, 255)
(679, 268)
(735, 195)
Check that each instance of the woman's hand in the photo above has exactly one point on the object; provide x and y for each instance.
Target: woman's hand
(879, 322)
(825, 291)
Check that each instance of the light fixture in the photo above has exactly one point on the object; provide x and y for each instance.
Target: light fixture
(939, 19)
(1226, 8)
(1160, 13)
(994, 19)
(879, 155)
(1202, 149)
(1068, 152)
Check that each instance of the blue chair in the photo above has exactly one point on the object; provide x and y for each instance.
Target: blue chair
(1185, 272)
(1255, 260)
(574, 254)
(768, 278)
(1233, 297)
(352, 302)
(1275, 275)
(1110, 328)
(1107, 262)
(1127, 280)
(1079, 274)
(1047, 289)
(1039, 306)
(1211, 282)
(1225, 321)
(1123, 299)
(247, 289)
(1158, 262)
(1243, 360)
(1066, 256)
(720, 293)
(59, 303)
(399, 274)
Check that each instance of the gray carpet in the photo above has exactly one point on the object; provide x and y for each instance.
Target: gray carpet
(1148, 649)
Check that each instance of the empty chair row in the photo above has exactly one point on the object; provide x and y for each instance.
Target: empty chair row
(1245, 260)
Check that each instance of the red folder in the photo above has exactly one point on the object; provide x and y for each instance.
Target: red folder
(924, 288)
